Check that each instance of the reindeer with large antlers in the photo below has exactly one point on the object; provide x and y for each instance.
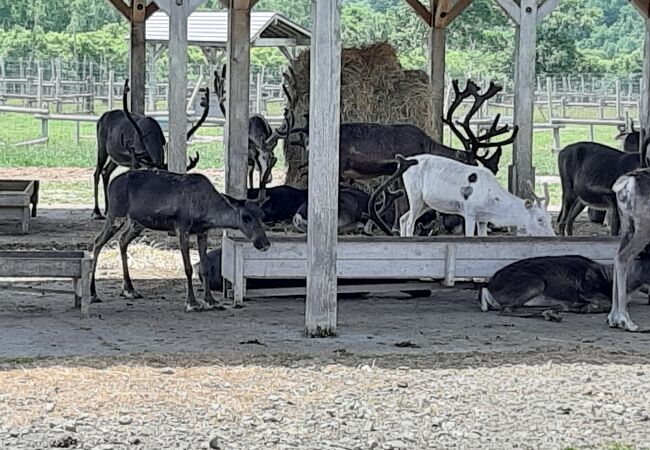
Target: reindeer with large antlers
(121, 134)
(261, 139)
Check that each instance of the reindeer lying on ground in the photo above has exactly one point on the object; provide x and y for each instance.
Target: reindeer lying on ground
(184, 203)
(118, 132)
(633, 204)
(545, 285)
(588, 171)
(261, 139)
(448, 186)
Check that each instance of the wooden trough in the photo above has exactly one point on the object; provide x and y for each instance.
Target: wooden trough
(52, 264)
(15, 198)
(440, 259)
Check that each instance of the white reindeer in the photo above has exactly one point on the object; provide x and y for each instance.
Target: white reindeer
(473, 192)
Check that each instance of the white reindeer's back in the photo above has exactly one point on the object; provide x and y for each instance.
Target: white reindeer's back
(447, 185)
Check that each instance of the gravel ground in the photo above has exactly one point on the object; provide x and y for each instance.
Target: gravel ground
(422, 373)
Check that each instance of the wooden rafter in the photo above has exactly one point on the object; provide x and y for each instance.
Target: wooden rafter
(643, 6)
(151, 8)
(454, 12)
(545, 9)
(421, 10)
(123, 8)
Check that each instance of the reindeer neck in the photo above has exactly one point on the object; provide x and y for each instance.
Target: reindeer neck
(227, 213)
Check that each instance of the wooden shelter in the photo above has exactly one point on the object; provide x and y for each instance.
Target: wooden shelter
(321, 298)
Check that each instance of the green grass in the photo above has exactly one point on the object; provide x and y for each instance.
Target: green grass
(62, 150)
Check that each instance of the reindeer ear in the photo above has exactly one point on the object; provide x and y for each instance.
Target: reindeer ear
(528, 204)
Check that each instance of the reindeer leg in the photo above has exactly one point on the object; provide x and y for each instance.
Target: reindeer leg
(102, 156)
(202, 243)
(482, 228)
(630, 247)
(132, 231)
(184, 242)
(106, 177)
(110, 228)
(571, 215)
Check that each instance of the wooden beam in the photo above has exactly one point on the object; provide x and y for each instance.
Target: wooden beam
(522, 170)
(237, 79)
(325, 118)
(151, 8)
(451, 14)
(512, 9)
(545, 9)
(123, 8)
(421, 10)
(138, 55)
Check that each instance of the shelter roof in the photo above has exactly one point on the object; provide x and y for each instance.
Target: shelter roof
(210, 29)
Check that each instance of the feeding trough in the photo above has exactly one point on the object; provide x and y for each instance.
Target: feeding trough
(15, 198)
(51, 264)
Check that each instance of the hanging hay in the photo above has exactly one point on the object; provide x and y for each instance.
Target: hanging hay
(374, 88)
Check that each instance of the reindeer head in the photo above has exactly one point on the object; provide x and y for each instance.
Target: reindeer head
(472, 142)
(538, 221)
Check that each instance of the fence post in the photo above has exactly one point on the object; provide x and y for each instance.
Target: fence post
(563, 100)
(258, 94)
(45, 130)
(556, 139)
(57, 86)
(591, 133)
(111, 75)
(549, 97)
(39, 88)
(619, 112)
(21, 74)
(601, 108)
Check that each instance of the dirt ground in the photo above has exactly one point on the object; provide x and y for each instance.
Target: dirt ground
(402, 373)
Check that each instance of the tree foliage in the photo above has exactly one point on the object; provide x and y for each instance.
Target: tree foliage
(580, 36)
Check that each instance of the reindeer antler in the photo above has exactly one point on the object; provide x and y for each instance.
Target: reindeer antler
(471, 141)
(220, 88)
(542, 202)
(205, 102)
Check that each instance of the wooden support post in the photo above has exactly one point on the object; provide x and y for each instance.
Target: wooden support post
(137, 55)
(178, 12)
(324, 109)
(644, 102)
(437, 75)
(526, 16)
(238, 79)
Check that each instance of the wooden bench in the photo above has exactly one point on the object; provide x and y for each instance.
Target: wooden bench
(15, 198)
(445, 259)
(52, 264)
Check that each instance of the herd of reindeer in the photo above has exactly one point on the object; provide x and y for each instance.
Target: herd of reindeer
(428, 188)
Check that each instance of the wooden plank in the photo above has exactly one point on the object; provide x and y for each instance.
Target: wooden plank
(324, 109)
(421, 10)
(137, 56)
(122, 7)
(237, 79)
(151, 8)
(511, 9)
(522, 170)
(545, 9)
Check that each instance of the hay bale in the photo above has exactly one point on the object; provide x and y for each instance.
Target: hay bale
(374, 88)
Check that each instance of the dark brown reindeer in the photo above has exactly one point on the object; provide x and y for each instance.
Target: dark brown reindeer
(182, 203)
(261, 139)
(588, 171)
(118, 131)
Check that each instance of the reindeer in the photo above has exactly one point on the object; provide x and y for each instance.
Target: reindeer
(587, 172)
(548, 284)
(118, 132)
(632, 192)
(261, 139)
(184, 203)
(448, 186)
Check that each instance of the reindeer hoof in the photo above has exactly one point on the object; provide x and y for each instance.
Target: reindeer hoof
(131, 294)
(97, 216)
(552, 315)
(195, 306)
(94, 299)
(621, 320)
